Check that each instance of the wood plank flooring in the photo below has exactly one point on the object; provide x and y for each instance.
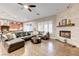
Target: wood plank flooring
(45, 48)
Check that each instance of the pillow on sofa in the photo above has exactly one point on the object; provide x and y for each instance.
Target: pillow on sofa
(4, 36)
(17, 35)
(28, 33)
(44, 33)
(24, 33)
(14, 36)
(9, 36)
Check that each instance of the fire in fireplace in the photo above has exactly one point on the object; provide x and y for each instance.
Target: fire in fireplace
(66, 34)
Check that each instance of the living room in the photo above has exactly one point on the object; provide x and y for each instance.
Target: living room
(39, 29)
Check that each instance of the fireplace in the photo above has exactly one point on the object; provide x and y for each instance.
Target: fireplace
(65, 34)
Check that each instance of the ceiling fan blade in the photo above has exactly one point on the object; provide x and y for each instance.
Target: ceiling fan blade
(29, 9)
(31, 5)
(20, 3)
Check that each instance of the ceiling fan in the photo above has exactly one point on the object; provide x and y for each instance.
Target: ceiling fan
(28, 6)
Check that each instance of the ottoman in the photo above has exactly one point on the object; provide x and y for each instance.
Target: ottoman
(36, 40)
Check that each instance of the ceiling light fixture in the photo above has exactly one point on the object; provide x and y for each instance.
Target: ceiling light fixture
(25, 6)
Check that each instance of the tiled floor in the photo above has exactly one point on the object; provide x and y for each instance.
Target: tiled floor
(46, 48)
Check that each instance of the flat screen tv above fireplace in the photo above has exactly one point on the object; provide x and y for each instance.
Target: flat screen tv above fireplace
(65, 34)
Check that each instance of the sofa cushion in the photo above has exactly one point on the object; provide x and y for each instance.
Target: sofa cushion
(16, 40)
(17, 35)
(28, 33)
(23, 33)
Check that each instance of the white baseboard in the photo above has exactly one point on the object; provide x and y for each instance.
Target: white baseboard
(69, 42)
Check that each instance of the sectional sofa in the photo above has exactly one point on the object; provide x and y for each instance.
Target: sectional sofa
(19, 42)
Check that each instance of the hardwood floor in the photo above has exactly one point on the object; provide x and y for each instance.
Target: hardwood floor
(46, 48)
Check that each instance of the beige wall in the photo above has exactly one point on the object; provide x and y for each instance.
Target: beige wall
(73, 14)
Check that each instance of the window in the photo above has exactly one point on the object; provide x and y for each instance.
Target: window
(50, 27)
(40, 26)
(45, 26)
(27, 27)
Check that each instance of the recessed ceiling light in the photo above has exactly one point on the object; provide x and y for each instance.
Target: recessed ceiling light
(38, 14)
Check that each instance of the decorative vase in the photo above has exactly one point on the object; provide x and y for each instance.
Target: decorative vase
(59, 23)
(69, 21)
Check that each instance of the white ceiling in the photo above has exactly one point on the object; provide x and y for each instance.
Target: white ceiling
(13, 11)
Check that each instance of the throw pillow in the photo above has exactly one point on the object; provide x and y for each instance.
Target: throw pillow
(14, 36)
(10, 36)
(5, 37)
